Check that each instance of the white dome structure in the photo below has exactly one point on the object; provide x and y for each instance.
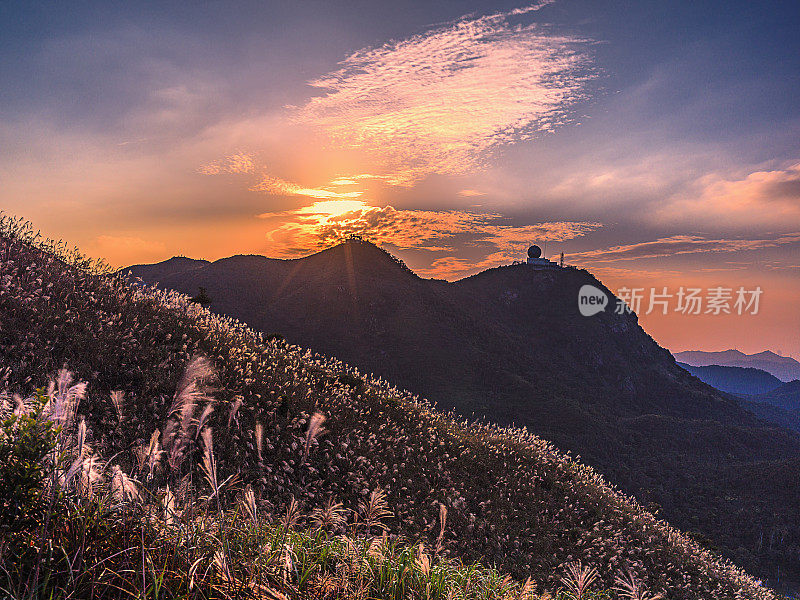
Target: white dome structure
(537, 261)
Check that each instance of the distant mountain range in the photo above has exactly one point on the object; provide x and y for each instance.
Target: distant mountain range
(736, 380)
(510, 345)
(783, 367)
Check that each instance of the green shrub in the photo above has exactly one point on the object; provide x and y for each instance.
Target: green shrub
(27, 442)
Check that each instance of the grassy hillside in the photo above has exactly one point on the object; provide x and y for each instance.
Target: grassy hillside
(509, 344)
(512, 500)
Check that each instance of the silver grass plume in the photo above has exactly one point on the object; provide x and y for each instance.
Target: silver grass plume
(292, 515)
(221, 565)
(122, 487)
(527, 589)
(91, 476)
(63, 398)
(314, 430)
(578, 579)
(259, 435)
(630, 588)
(151, 456)
(19, 406)
(287, 562)
(209, 462)
(192, 390)
(423, 561)
(237, 404)
(249, 504)
(330, 515)
(375, 510)
(209, 408)
(118, 400)
(442, 525)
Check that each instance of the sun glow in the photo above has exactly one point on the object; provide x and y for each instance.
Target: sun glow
(333, 208)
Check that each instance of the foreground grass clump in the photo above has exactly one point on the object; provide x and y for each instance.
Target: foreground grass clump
(74, 525)
(250, 413)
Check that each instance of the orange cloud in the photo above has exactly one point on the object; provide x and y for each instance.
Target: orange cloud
(765, 198)
(245, 164)
(313, 227)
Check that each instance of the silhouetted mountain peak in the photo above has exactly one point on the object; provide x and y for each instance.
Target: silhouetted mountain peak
(166, 268)
(358, 257)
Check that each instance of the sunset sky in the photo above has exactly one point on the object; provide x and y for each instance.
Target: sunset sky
(654, 143)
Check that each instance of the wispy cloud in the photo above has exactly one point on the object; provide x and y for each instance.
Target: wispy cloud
(276, 185)
(681, 244)
(441, 101)
(470, 193)
(243, 163)
(234, 164)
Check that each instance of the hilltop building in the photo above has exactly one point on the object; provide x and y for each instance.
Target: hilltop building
(536, 260)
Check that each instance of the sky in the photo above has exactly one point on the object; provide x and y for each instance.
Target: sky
(656, 144)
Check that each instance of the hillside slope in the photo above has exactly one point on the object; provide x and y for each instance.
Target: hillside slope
(780, 406)
(786, 396)
(527, 508)
(510, 345)
(784, 368)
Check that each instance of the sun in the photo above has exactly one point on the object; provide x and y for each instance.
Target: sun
(333, 208)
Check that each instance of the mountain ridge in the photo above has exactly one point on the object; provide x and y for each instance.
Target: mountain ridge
(784, 368)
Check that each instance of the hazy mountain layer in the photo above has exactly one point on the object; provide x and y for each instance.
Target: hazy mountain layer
(783, 367)
(735, 380)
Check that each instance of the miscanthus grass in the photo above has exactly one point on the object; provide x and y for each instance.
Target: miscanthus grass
(93, 530)
(196, 432)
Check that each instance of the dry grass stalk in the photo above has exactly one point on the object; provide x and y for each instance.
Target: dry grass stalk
(118, 400)
(249, 504)
(442, 525)
(237, 404)
(630, 588)
(259, 435)
(330, 516)
(375, 510)
(578, 579)
(209, 464)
